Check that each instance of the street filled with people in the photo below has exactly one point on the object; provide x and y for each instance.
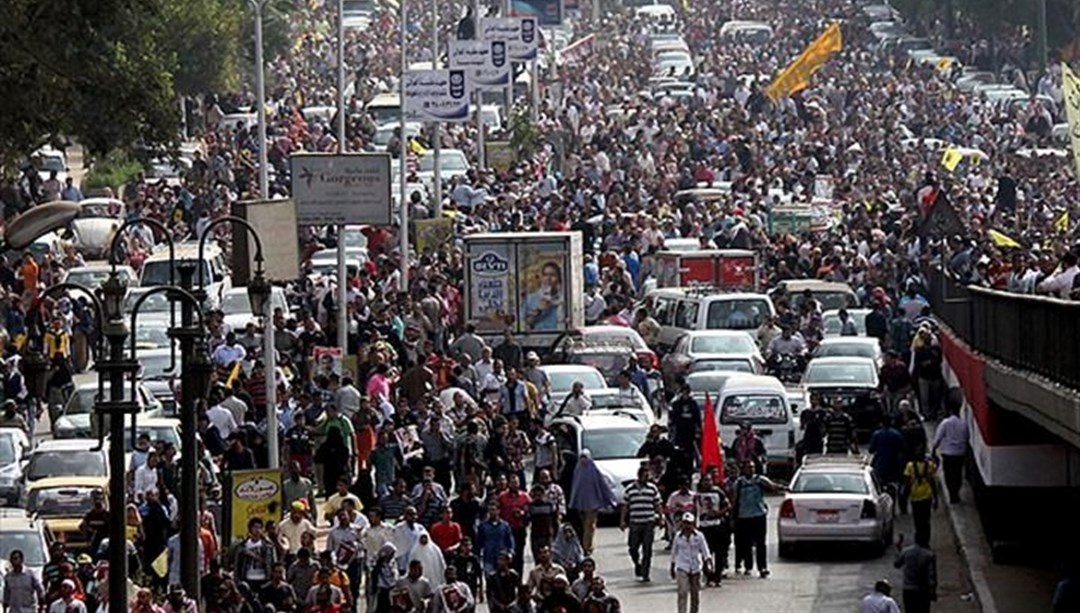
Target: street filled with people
(456, 457)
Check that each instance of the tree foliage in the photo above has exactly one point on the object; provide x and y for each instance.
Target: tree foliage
(108, 73)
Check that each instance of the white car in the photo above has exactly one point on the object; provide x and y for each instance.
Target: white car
(50, 160)
(830, 321)
(237, 307)
(95, 275)
(14, 447)
(452, 163)
(563, 376)
(834, 499)
(18, 530)
(98, 221)
(612, 440)
(850, 347)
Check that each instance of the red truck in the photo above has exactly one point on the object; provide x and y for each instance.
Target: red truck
(733, 270)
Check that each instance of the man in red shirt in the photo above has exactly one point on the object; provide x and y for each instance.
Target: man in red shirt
(513, 509)
(446, 533)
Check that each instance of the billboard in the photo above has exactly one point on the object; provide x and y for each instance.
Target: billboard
(519, 33)
(485, 62)
(543, 286)
(436, 96)
(351, 189)
(252, 493)
(546, 12)
(491, 286)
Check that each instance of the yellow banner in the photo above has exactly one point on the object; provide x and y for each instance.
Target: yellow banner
(433, 234)
(253, 493)
(1071, 86)
(796, 76)
(1061, 224)
(951, 159)
(1001, 240)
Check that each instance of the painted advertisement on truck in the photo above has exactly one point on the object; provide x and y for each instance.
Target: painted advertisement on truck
(543, 285)
(492, 296)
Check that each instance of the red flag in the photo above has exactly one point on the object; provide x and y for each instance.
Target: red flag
(710, 442)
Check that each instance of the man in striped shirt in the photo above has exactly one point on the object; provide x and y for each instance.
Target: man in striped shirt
(641, 514)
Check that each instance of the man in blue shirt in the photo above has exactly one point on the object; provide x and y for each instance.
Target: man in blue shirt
(887, 447)
(493, 536)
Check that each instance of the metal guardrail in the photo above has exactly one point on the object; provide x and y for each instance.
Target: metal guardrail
(1032, 333)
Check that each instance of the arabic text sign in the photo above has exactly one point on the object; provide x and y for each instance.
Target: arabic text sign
(519, 33)
(436, 95)
(485, 63)
(347, 189)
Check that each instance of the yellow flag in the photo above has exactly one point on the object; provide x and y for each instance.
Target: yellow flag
(951, 159)
(161, 564)
(944, 63)
(233, 375)
(796, 76)
(1001, 240)
(1061, 224)
(1071, 88)
(416, 148)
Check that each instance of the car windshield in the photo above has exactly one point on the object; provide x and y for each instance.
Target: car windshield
(830, 483)
(733, 343)
(66, 463)
(722, 366)
(152, 335)
(609, 402)
(753, 408)
(62, 501)
(841, 350)
(447, 161)
(608, 363)
(156, 433)
(564, 381)
(831, 323)
(862, 374)
(157, 273)
(613, 444)
(95, 278)
(616, 337)
(156, 366)
(743, 314)
(7, 450)
(236, 303)
(52, 162)
(156, 303)
(834, 300)
(82, 401)
(29, 542)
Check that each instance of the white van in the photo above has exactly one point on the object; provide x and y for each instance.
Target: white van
(681, 309)
(215, 273)
(384, 108)
(761, 401)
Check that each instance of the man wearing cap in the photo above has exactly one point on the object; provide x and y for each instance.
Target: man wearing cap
(690, 556)
(67, 603)
(295, 525)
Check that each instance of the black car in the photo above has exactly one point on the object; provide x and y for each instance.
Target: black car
(851, 381)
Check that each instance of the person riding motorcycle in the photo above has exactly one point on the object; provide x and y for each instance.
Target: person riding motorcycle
(788, 347)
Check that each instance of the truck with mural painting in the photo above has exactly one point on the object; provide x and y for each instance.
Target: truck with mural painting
(530, 283)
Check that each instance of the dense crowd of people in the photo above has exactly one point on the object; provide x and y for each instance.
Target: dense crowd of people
(401, 497)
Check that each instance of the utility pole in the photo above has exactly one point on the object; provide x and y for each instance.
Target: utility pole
(1043, 43)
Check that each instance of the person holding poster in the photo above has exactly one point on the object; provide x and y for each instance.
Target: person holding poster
(543, 304)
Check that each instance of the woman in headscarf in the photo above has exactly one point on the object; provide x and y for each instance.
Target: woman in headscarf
(428, 554)
(566, 550)
(589, 494)
(384, 575)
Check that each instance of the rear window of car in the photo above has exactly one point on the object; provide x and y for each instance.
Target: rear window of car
(736, 314)
(66, 464)
(830, 483)
(861, 350)
(754, 409)
(733, 343)
(840, 374)
(564, 381)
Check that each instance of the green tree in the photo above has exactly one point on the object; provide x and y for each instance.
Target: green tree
(204, 37)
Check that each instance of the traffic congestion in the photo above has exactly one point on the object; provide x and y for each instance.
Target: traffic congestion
(665, 343)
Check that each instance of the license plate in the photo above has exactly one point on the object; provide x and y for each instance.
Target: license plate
(828, 517)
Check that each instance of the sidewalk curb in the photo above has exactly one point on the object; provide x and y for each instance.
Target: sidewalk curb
(973, 548)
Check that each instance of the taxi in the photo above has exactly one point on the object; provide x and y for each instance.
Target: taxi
(61, 502)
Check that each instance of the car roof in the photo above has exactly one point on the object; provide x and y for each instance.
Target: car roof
(157, 422)
(608, 329)
(748, 380)
(858, 340)
(706, 333)
(847, 359)
(603, 422)
(565, 368)
(814, 285)
(67, 444)
(55, 482)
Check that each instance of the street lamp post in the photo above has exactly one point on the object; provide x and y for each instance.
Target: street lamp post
(259, 293)
(260, 99)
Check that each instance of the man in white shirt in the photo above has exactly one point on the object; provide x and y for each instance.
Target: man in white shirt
(951, 441)
(1060, 283)
(67, 603)
(295, 525)
(484, 365)
(146, 476)
(880, 600)
(348, 398)
(222, 419)
(577, 402)
(690, 556)
(229, 352)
